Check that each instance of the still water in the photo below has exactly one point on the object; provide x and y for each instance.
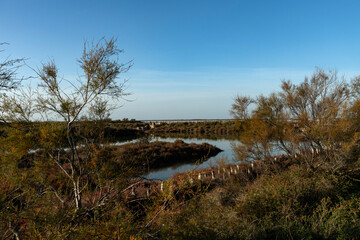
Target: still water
(227, 155)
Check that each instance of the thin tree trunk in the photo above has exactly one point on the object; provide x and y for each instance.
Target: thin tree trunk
(77, 195)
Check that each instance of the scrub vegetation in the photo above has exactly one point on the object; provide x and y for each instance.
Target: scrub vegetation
(314, 125)
(297, 176)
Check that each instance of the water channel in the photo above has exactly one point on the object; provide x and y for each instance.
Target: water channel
(226, 155)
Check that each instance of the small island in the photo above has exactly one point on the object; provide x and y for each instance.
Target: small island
(159, 154)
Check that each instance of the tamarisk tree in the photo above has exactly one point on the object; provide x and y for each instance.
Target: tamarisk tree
(315, 119)
(8, 68)
(101, 70)
(64, 143)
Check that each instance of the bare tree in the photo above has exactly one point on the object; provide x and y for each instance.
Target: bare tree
(101, 69)
(71, 101)
(240, 109)
(307, 118)
(8, 68)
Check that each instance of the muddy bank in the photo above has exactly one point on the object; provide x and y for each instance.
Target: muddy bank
(140, 157)
(185, 184)
(154, 155)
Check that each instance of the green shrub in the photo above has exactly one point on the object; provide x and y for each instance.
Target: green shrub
(341, 221)
(294, 204)
(291, 192)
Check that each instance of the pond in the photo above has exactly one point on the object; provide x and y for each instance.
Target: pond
(227, 155)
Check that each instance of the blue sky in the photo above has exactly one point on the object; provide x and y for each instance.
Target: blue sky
(191, 58)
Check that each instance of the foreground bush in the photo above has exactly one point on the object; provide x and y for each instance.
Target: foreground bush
(295, 204)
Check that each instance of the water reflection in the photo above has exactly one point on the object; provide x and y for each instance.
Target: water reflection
(227, 155)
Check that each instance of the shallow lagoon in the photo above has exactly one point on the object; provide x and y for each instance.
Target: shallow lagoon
(227, 155)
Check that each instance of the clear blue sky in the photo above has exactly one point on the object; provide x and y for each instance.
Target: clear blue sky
(190, 57)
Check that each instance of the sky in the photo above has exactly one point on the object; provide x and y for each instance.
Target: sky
(191, 57)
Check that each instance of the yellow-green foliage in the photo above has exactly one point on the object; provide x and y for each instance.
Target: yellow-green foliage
(290, 192)
(319, 115)
(295, 204)
(339, 221)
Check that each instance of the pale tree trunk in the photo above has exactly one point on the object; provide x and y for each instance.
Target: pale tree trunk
(77, 195)
(14, 232)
